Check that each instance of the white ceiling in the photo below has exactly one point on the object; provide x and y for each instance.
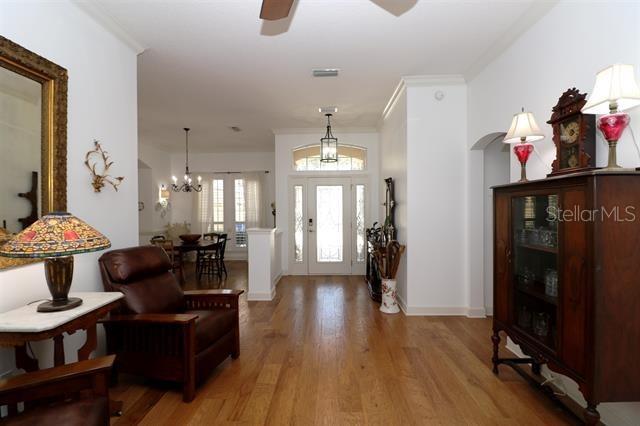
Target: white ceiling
(209, 65)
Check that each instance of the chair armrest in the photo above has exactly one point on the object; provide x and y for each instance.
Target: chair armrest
(90, 374)
(212, 299)
(149, 319)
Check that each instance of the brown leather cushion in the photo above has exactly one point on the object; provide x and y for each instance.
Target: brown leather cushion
(153, 295)
(130, 264)
(85, 412)
(212, 325)
(144, 275)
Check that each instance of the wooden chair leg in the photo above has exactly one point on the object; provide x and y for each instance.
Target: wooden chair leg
(189, 390)
(236, 350)
(189, 363)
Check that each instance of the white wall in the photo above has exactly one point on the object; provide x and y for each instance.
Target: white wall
(287, 140)
(393, 163)
(436, 192)
(159, 173)
(538, 67)
(423, 147)
(101, 105)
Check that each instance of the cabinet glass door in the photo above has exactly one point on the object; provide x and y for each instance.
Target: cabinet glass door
(535, 266)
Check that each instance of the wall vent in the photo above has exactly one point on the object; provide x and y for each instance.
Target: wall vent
(326, 72)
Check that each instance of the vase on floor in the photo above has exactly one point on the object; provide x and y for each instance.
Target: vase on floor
(389, 304)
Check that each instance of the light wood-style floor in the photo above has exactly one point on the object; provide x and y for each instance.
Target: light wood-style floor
(322, 353)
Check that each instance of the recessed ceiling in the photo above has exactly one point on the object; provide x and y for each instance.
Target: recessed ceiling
(212, 65)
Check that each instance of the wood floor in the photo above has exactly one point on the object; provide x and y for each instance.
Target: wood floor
(321, 353)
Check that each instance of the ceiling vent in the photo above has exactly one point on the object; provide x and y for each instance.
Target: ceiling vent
(328, 109)
(325, 72)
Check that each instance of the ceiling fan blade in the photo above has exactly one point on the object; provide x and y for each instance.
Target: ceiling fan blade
(272, 10)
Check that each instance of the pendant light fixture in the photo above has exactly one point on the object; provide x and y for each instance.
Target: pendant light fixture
(187, 185)
(329, 144)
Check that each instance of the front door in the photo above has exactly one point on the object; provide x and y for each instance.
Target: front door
(328, 226)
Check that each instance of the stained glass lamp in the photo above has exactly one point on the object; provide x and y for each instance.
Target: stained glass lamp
(56, 237)
(522, 132)
(615, 91)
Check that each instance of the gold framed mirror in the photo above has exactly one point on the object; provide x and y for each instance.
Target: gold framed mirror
(33, 140)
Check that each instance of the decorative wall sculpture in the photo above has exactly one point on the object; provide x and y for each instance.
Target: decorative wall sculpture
(98, 162)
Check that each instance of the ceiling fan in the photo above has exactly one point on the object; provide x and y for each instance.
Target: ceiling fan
(272, 10)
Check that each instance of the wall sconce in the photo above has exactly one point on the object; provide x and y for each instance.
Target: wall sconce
(163, 205)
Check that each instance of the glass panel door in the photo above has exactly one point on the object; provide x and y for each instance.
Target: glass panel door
(535, 266)
(328, 226)
(329, 223)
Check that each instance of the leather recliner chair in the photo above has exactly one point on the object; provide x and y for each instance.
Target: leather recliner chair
(71, 394)
(161, 331)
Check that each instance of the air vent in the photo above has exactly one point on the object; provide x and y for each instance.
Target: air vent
(328, 109)
(326, 72)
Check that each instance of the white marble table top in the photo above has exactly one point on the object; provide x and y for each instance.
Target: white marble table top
(27, 319)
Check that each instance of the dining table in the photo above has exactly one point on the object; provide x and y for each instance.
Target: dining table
(183, 247)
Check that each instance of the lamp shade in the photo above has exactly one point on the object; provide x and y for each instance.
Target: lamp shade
(55, 235)
(523, 129)
(614, 85)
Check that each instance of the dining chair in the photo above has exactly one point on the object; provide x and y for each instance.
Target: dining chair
(174, 255)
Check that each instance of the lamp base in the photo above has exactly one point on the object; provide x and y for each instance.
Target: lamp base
(59, 274)
(523, 150)
(612, 126)
(59, 305)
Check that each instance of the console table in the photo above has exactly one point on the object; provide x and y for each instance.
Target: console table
(26, 324)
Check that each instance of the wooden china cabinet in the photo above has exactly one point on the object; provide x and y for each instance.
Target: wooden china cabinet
(567, 280)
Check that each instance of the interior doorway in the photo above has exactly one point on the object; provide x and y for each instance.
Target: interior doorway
(145, 202)
(328, 225)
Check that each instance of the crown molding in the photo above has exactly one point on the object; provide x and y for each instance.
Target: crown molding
(433, 80)
(420, 81)
(533, 14)
(104, 19)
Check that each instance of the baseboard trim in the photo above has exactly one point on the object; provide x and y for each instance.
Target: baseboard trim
(275, 281)
(477, 312)
(261, 296)
(437, 311)
(402, 304)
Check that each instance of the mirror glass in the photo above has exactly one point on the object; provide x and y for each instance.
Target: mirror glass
(20, 151)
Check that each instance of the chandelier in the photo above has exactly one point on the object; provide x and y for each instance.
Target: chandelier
(186, 185)
(329, 145)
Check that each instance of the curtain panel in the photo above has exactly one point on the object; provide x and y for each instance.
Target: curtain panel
(257, 212)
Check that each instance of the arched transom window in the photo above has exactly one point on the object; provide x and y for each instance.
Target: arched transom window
(307, 158)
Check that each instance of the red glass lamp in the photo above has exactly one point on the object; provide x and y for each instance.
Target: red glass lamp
(56, 237)
(522, 132)
(615, 91)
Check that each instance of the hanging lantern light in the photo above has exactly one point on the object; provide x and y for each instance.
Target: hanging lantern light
(329, 145)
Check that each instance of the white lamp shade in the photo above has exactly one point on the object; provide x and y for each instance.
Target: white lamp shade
(523, 129)
(614, 84)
